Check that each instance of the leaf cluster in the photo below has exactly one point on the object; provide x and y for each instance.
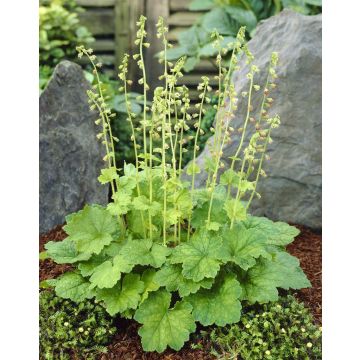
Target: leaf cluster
(284, 329)
(69, 329)
(169, 289)
(227, 16)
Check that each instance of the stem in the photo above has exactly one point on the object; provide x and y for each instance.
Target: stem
(259, 169)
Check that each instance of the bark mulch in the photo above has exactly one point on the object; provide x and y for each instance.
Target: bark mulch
(126, 344)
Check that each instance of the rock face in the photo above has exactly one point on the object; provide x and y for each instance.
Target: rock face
(292, 190)
(70, 155)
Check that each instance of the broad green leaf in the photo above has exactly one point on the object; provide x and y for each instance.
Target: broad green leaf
(260, 283)
(64, 252)
(107, 175)
(213, 225)
(163, 326)
(87, 267)
(243, 246)
(91, 229)
(74, 287)
(219, 305)
(176, 53)
(229, 177)
(209, 49)
(172, 278)
(218, 19)
(150, 283)
(242, 17)
(124, 296)
(144, 252)
(200, 256)
(107, 274)
(277, 233)
(235, 210)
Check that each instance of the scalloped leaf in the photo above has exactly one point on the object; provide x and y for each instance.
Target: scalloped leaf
(73, 286)
(145, 252)
(172, 278)
(243, 246)
(200, 256)
(107, 274)
(91, 229)
(277, 233)
(150, 283)
(124, 296)
(260, 283)
(65, 252)
(220, 305)
(163, 326)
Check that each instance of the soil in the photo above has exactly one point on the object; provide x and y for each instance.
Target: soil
(126, 344)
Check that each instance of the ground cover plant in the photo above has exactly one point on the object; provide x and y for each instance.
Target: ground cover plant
(163, 252)
(283, 329)
(68, 329)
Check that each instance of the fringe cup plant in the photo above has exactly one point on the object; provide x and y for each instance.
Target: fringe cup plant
(163, 252)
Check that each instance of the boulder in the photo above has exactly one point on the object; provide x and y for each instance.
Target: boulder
(70, 155)
(292, 190)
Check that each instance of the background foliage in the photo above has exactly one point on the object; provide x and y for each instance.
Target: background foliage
(227, 16)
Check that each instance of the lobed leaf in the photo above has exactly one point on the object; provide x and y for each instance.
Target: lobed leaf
(123, 296)
(91, 229)
(200, 256)
(73, 286)
(163, 326)
(219, 305)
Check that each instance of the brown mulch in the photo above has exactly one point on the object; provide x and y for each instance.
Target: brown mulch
(307, 248)
(126, 344)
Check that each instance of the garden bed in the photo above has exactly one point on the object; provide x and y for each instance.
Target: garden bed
(126, 344)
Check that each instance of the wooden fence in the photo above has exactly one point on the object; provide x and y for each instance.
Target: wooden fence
(113, 24)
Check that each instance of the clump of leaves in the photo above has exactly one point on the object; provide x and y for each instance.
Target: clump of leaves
(59, 33)
(281, 330)
(227, 16)
(165, 253)
(70, 329)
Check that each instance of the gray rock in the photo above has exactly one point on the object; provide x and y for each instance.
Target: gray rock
(292, 190)
(70, 155)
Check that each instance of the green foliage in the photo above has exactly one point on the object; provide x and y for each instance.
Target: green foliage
(69, 329)
(162, 252)
(281, 330)
(227, 16)
(60, 31)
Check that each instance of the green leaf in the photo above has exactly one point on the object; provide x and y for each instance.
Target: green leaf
(193, 168)
(163, 326)
(121, 204)
(235, 210)
(209, 50)
(43, 256)
(107, 175)
(64, 252)
(144, 252)
(172, 278)
(220, 305)
(73, 286)
(197, 5)
(261, 281)
(122, 297)
(277, 233)
(107, 274)
(91, 229)
(200, 256)
(176, 53)
(218, 19)
(150, 283)
(243, 246)
(190, 63)
(87, 267)
(242, 17)
(229, 177)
